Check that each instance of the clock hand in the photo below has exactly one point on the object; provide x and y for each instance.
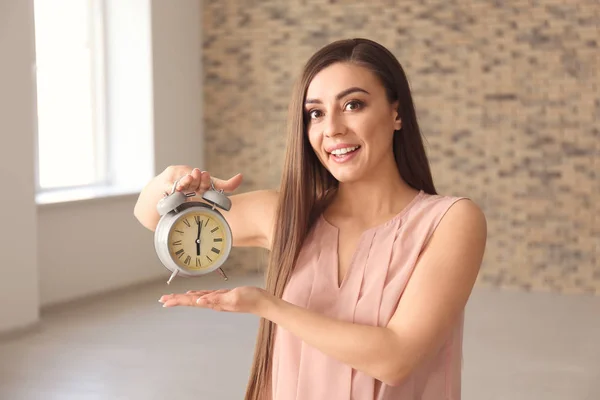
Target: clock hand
(198, 238)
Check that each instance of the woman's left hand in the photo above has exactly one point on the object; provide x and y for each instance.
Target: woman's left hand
(243, 299)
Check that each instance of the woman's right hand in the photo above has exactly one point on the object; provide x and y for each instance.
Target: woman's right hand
(200, 181)
(188, 180)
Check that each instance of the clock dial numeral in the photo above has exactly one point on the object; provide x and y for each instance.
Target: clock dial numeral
(186, 251)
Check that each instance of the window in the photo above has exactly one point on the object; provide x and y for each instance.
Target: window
(94, 98)
(72, 139)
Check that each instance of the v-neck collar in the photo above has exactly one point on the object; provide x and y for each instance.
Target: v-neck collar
(370, 232)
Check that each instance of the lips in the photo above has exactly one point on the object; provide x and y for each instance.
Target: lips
(343, 153)
(341, 147)
(343, 150)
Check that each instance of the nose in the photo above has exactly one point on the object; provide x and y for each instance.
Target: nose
(334, 125)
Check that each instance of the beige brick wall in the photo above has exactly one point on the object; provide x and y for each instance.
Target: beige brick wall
(506, 93)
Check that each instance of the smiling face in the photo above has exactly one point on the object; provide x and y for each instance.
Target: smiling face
(350, 122)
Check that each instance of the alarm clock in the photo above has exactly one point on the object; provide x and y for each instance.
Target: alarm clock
(193, 238)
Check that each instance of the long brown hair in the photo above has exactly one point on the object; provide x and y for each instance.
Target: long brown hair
(306, 184)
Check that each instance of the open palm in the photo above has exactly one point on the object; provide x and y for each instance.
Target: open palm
(243, 299)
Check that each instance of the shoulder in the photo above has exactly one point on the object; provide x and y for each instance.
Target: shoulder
(459, 221)
(442, 215)
(466, 209)
(463, 213)
(450, 207)
(459, 209)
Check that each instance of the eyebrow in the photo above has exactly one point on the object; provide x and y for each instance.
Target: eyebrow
(339, 96)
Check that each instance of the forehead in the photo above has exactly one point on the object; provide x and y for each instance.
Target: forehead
(340, 76)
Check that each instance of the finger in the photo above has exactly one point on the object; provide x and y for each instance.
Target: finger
(199, 292)
(212, 293)
(184, 182)
(215, 298)
(190, 298)
(204, 184)
(228, 185)
(196, 179)
(189, 182)
(165, 297)
(179, 300)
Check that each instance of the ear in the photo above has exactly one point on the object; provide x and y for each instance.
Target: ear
(397, 123)
(397, 120)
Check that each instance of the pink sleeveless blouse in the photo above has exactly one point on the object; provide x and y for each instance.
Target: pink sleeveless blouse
(369, 294)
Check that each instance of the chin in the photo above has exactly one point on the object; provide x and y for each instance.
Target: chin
(345, 176)
(345, 173)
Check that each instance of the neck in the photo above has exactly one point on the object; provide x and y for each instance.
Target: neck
(374, 198)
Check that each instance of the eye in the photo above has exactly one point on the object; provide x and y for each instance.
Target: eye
(353, 105)
(314, 114)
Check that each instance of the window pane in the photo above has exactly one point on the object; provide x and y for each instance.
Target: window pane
(65, 92)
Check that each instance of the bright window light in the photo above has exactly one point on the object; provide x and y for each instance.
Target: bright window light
(70, 94)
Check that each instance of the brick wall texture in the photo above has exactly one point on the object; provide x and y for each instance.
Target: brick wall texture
(507, 95)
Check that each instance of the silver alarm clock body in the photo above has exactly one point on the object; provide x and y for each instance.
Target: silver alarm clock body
(193, 238)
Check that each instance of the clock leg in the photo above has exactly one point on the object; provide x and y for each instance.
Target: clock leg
(172, 276)
(223, 274)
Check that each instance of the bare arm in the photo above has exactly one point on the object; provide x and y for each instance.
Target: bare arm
(251, 216)
(435, 296)
(427, 311)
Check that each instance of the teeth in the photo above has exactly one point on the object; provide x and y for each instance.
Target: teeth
(339, 152)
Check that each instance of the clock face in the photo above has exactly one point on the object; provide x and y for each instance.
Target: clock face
(197, 240)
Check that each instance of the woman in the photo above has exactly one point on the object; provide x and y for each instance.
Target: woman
(370, 269)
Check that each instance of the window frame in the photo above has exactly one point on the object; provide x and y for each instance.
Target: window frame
(122, 73)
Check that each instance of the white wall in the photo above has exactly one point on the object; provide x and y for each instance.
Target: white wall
(18, 237)
(89, 246)
(177, 48)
